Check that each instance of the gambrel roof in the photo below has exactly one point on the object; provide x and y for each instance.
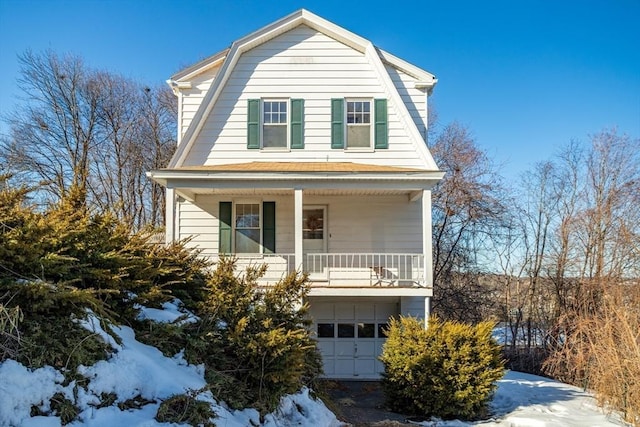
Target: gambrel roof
(227, 59)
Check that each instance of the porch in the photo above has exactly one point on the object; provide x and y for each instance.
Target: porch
(349, 226)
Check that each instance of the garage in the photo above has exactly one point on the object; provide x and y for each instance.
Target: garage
(350, 335)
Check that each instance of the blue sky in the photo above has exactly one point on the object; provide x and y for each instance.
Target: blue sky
(525, 76)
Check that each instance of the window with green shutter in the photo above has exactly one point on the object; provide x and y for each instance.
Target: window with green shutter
(224, 228)
(337, 123)
(359, 124)
(253, 124)
(269, 227)
(297, 123)
(246, 227)
(275, 124)
(381, 133)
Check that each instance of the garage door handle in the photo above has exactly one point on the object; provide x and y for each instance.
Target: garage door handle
(355, 350)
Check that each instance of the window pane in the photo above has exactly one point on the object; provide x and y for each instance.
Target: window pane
(366, 330)
(248, 240)
(326, 330)
(358, 136)
(274, 136)
(346, 330)
(382, 330)
(313, 224)
(247, 215)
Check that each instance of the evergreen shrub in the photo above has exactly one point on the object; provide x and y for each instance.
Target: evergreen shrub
(448, 370)
(255, 342)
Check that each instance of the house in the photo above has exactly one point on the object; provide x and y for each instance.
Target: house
(303, 146)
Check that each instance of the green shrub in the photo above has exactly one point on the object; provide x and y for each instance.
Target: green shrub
(448, 370)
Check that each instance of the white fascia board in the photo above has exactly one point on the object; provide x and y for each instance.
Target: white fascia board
(412, 70)
(200, 67)
(401, 108)
(371, 291)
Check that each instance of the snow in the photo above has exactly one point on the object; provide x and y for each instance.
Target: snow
(138, 369)
(524, 400)
(134, 369)
(171, 311)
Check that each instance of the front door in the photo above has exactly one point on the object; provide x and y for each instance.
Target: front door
(314, 241)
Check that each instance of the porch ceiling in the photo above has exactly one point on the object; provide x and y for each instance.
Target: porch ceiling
(289, 192)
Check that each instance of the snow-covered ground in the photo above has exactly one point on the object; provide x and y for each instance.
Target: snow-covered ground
(524, 400)
(138, 369)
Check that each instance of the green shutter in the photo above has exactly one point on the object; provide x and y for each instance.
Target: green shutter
(253, 124)
(297, 123)
(224, 231)
(381, 136)
(269, 227)
(337, 123)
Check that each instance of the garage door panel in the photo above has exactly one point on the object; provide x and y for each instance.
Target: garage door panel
(365, 367)
(322, 311)
(328, 367)
(344, 367)
(344, 348)
(327, 348)
(365, 311)
(345, 311)
(384, 311)
(366, 348)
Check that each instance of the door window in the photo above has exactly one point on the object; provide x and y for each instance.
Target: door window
(313, 224)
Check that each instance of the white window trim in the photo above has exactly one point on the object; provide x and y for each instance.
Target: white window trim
(288, 125)
(370, 148)
(234, 204)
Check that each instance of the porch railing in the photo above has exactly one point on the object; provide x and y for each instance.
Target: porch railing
(344, 269)
(278, 265)
(359, 269)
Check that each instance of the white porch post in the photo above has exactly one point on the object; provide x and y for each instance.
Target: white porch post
(427, 246)
(427, 249)
(170, 206)
(297, 223)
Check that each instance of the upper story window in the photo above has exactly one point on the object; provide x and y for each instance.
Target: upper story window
(358, 124)
(275, 123)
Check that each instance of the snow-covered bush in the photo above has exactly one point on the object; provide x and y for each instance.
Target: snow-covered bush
(448, 370)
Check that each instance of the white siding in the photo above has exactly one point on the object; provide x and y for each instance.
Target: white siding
(413, 306)
(414, 99)
(192, 98)
(301, 63)
(381, 224)
(367, 224)
(200, 222)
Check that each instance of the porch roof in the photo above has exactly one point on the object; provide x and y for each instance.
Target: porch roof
(335, 177)
(298, 167)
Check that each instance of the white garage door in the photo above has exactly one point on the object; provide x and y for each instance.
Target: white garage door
(350, 336)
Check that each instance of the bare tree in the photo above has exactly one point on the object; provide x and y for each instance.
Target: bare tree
(54, 132)
(468, 212)
(95, 131)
